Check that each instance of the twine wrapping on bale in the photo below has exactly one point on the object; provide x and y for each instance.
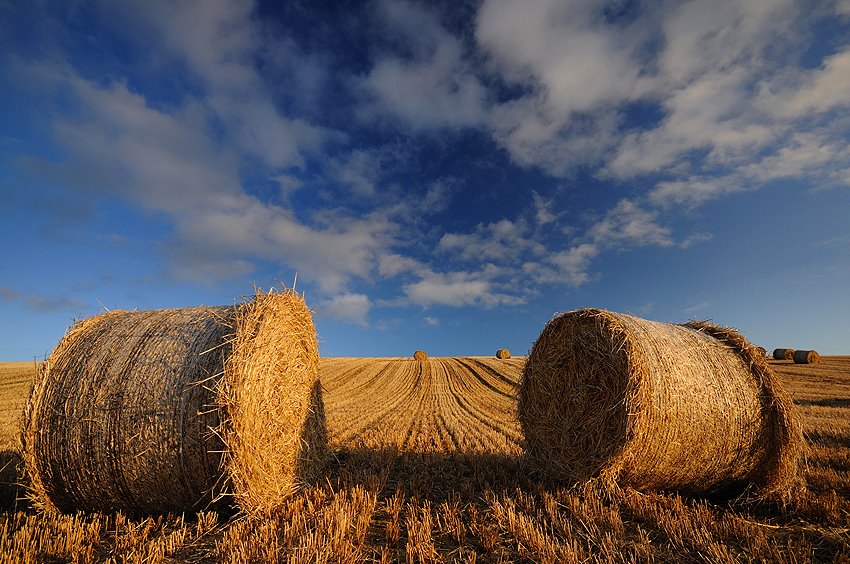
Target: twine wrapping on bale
(783, 354)
(420, 355)
(806, 357)
(692, 408)
(174, 409)
(503, 354)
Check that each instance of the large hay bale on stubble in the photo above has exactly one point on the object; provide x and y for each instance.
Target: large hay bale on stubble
(170, 410)
(420, 355)
(503, 354)
(783, 354)
(652, 405)
(806, 357)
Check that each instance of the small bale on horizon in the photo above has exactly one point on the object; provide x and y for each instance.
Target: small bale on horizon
(692, 408)
(806, 357)
(783, 354)
(420, 355)
(174, 410)
(503, 354)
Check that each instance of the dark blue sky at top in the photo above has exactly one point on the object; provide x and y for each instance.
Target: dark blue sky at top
(441, 175)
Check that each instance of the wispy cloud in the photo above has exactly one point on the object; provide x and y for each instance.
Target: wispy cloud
(41, 303)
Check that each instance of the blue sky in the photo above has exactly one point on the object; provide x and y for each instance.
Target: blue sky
(443, 175)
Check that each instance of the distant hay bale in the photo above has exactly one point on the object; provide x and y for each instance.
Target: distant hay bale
(174, 409)
(762, 351)
(691, 408)
(783, 354)
(503, 354)
(806, 357)
(420, 355)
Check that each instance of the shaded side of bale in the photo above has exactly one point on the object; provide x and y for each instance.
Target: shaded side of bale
(783, 354)
(806, 357)
(503, 354)
(654, 405)
(420, 355)
(273, 419)
(156, 411)
(120, 417)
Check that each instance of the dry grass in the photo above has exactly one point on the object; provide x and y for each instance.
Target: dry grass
(168, 410)
(653, 405)
(428, 467)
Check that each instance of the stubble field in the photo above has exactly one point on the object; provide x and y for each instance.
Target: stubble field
(428, 467)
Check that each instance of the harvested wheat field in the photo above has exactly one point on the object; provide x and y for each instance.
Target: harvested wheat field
(428, 466)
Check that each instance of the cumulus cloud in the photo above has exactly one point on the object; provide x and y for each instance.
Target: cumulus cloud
(348, 306)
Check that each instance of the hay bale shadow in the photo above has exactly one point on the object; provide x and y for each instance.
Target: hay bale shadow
(830, 402)
(435, 476)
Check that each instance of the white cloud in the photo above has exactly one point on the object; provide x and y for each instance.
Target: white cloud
(349, 306)
(219, 41)
(458, 289)
(573, 264)
(431, 320)
(696, 308)
(393, 264)
(543, 213)
(627, 223)
(501, 241)
(819, 90)
(433, 88)
(168, 162)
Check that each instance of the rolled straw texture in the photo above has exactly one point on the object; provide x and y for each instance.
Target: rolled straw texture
(806, 357)
(503, 354)
(170, 410)
(783, 354)
(762, 351)
(652, 405)
(420, 355)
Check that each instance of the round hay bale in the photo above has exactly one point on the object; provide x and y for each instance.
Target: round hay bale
(174, 409)
(651, 405)
(420, 355)
(783, 354)
(503, 354)
(761, 351)
(806, 357)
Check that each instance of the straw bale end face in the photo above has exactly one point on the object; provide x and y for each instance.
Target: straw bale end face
(273, 422)
(420, 355)
(653, 405)
(503, 354)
